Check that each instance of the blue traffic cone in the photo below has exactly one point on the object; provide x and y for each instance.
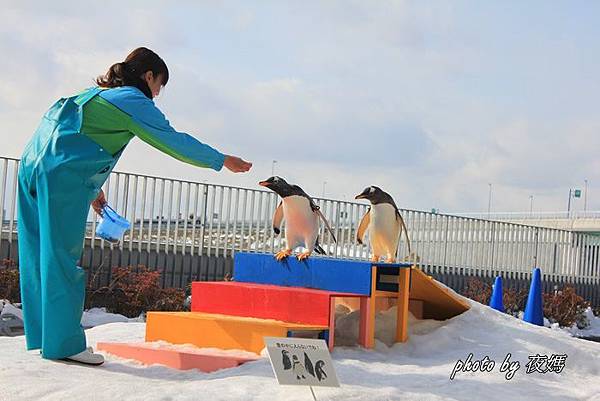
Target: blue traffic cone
(534, 312)
(496, 299)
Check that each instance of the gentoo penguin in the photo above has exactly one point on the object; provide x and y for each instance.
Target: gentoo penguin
(302, 218)
(384, 222)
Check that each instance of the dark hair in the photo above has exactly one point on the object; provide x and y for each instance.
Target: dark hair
(130, 71)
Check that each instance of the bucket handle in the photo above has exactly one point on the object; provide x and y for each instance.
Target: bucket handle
(108, 215)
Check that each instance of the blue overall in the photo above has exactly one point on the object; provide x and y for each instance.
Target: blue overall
(60, 174)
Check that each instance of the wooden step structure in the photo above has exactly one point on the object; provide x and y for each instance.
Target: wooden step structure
(269, 298)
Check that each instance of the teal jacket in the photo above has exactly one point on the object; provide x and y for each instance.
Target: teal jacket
(116, 115)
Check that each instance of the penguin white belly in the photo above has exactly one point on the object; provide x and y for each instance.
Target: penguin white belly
(302, 225)
(384, 230)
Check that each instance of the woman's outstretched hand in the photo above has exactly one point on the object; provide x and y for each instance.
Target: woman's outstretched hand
(236, 164)
(99, 203)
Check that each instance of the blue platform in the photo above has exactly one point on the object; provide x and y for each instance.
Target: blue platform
(320, 273)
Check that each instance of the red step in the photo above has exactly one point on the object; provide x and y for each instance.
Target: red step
(288, 304)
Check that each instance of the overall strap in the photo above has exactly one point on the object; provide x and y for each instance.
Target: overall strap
(87, 95)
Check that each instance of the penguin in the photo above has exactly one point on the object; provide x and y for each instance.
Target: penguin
(321, 375)
(302, 216)
(298, 368)
(287, 363)
(384, 222)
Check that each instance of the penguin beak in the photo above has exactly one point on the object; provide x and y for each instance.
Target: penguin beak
(264, 183)
(361, 196)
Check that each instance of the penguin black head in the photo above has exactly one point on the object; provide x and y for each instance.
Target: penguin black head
(279, 186)
(375, 195)
(371, 193)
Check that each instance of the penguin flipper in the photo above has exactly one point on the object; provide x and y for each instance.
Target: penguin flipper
(320, 214)
(278, 218)
(403, 228)
(362, 227)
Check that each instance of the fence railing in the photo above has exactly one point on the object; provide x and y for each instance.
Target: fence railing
(193, 218)
(559, 215)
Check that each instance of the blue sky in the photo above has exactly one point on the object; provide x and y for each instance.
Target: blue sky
(429, 100)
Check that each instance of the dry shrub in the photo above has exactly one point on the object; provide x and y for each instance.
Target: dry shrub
(481, 291)
(566, 308)
(171, 299)
(514, 300)
(133, 291)
(478, 290)
(9, 281)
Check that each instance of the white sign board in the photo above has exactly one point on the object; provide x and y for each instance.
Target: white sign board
(301, 361)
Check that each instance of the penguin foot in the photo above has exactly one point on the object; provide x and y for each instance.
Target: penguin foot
(284, 253)
(304, 255)
(390, 260)
(374, 258)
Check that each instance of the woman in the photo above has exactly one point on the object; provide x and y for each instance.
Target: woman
(62, 170)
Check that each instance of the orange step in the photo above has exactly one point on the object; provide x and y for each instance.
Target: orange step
(178, 357)
(439, 302)
(208, 330)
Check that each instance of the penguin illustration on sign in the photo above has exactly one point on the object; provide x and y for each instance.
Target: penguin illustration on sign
(384, 223)
(302, 216)
(287, 363)
(298, 368)
(320, 372)
(308, 365)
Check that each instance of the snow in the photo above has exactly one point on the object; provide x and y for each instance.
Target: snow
(593, 330)
(90, 318)
(98, 316)
(419, 369)
(7, 308)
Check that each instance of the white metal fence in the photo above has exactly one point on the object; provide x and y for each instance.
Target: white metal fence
(192, 218)
(560, 215)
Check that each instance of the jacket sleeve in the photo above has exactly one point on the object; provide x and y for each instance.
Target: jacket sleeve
(150, 125)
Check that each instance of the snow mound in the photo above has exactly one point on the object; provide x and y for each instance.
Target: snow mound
(97, 316)
(419, 369)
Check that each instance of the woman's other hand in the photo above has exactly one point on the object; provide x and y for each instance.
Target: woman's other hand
(99, 203)
(236, 164)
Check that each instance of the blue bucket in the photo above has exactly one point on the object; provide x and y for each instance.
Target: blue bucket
(112, 227)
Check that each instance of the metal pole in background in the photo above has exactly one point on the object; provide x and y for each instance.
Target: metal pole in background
(569, 205)
(530, 205)
(585, 196)
(489, 200)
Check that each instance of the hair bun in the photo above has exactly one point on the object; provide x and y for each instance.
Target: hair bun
(129, 72)
(127, 66)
